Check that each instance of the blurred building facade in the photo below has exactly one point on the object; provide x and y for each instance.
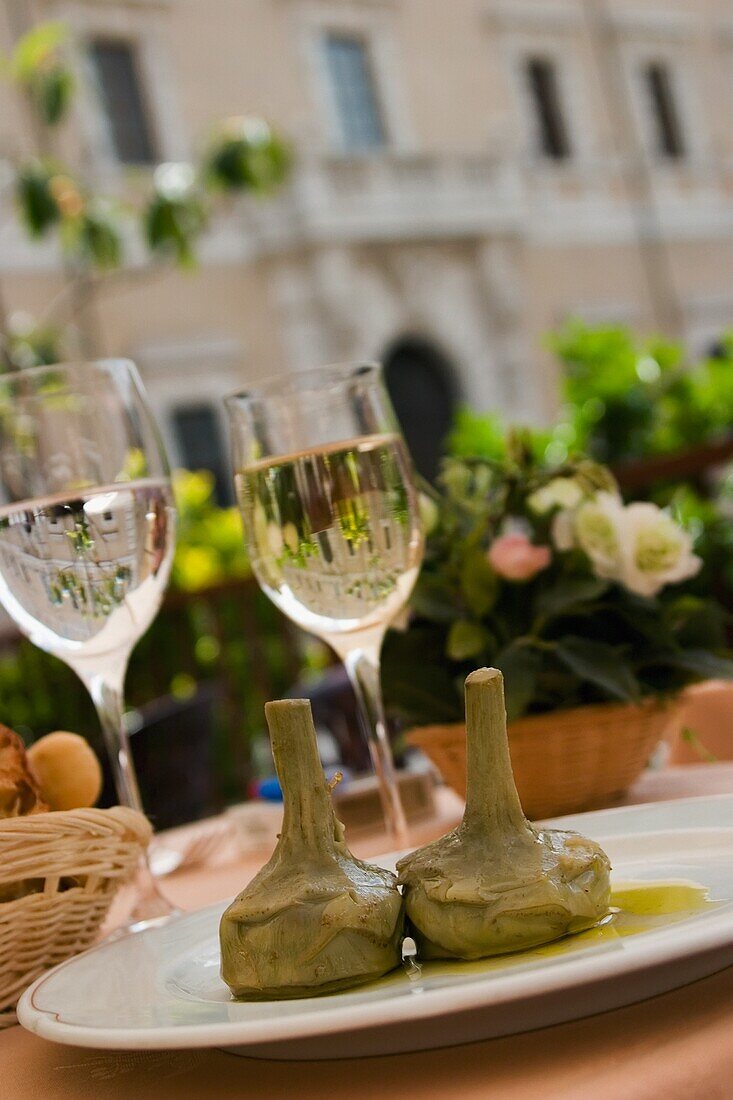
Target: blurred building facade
(469, 174)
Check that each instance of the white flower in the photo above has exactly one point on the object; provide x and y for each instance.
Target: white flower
(562, 531)
(598, 526)
(657, 551)
(561, 492)
(639, 545)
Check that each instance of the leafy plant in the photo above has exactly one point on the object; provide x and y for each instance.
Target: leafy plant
(243, 155)
(564, 618)
(627, 397)
(484, 435)
(39, 65)
(209, 545)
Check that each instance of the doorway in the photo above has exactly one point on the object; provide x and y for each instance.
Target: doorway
(422, 385)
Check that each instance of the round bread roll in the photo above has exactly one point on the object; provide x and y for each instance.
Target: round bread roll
(67, 770)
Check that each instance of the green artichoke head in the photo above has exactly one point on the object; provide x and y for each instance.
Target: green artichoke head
(315, 919)
(495, 883)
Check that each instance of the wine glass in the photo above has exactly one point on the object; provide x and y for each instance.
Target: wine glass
(325, 484)
(87, 532)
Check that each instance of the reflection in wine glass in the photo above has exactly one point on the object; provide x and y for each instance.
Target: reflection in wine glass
(87, 532)
(325, 485)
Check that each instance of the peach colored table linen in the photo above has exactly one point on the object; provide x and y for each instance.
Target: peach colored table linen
(675, 1047)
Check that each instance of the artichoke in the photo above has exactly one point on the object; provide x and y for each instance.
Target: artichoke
(495, 883)
(315, 919)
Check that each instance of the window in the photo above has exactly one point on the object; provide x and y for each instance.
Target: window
(352, 81)
(198, 436)
(552, 134)
(721, 348)
(669, 141)
(123, 101)
(421, 382)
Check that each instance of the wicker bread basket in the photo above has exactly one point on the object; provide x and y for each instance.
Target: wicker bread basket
(566, 761)
(79, 858)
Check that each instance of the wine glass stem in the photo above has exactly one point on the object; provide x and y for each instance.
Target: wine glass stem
(362, 666)
(107, 695)
(108, 700)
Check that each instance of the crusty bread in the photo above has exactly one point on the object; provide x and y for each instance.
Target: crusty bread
(66, 769)
(19, 793)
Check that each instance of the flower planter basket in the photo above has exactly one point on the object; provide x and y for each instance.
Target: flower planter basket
(81, 857)
(564, 761)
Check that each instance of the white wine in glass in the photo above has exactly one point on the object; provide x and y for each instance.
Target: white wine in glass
(326, 489)
(87, 533)
(83, 575)
(330, 534)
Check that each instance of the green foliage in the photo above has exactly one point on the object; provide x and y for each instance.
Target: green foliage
(564, 637)
(698, 406)
(172, 225)
(89, 228)
(38, 65)
(484, 435)
(38, 208)
(37, 48)
(627, 397)
(94, 235)
(245, 155)
(52, 92)
(210, 544)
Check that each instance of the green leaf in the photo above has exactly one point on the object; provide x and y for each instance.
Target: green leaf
(94, 236)
(38, 207)
(697, 623)
(600, 664)
(34, 49)
(416, 679)
(51, 92)
(702, 663)
(172, 226)
(479, 583)
(434, 600)
(568, 593)
(247, 156)
(466, 639)
(520, 665)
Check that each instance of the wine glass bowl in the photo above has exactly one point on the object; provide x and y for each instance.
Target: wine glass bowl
(332, 534)
(325, 485)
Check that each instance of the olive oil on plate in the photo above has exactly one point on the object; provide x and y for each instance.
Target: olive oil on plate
(636, 908)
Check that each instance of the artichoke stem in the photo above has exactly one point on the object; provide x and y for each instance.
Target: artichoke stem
(492, 802)
(308, 819)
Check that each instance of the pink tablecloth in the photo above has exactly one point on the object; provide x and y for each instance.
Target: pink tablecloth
(675, 1047)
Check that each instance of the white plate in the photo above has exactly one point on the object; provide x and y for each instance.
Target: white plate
(161, 989)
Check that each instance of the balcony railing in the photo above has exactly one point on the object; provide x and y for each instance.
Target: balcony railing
(390, 196)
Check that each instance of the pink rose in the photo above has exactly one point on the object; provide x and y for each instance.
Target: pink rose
(515, 558)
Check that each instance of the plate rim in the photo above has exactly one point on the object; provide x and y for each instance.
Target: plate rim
(576, 972)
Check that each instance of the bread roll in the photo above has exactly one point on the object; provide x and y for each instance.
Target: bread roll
(19, 792)
(67, 770)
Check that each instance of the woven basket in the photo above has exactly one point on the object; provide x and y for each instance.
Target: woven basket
(566, 761)
(80, 857)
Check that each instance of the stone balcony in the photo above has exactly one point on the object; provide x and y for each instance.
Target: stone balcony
(389, 197)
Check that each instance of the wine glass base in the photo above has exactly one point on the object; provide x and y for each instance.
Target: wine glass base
(142, 925)
(140, 904)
